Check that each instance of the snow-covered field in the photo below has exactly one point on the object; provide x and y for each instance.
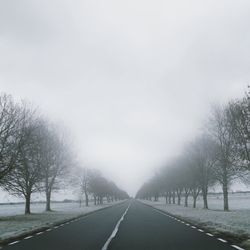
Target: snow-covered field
(237, 221)
(14, 223)
(16, 209)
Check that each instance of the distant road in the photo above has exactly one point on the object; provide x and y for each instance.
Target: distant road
(138, 227)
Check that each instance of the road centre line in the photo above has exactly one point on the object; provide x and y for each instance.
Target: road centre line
(113, 234)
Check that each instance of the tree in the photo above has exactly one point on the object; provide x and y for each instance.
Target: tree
(85, 177)
(27, 176)
(56, 158)
(203, 158)
(238, 114)
(222, 133)
(11, 116)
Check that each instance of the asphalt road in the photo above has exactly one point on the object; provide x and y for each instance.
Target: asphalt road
(142, 228)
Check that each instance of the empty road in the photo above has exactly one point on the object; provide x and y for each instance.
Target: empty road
(129, 226)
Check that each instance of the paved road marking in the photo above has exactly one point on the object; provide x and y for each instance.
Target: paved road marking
(105, 247)
(209, 234)
(239, 248)
(39, 233)
(222, 240)
(28, 237)
(12, 243)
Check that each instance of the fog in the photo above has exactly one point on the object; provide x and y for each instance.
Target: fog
(133, 81)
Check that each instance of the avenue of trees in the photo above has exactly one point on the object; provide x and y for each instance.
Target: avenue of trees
(35, 156)
(219, 155)
(91, 183)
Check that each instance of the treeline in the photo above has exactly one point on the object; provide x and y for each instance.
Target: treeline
(219, 155)
(91, 183)
(35, 155)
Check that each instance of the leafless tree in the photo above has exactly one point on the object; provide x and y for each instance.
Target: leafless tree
(26, 177)
(11, 116)
(56, 158)
(202, 155)
(238, 114)
(84, 176)
(221, 132)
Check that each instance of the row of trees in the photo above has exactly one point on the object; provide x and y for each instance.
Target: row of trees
(35, 155)
(92, 183)
(219, 155)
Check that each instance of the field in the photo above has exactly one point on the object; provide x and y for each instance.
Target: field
(18, 209)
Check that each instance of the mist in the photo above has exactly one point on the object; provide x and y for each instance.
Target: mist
(132, 81)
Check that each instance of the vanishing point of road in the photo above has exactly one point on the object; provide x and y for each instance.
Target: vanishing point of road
(131, 225)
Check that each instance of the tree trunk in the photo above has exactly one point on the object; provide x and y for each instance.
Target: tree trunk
(186, 200)
(166, 197)
(195, 194)
(225, 189)
(225, 196)
(179, 199)
(194, 201)
(173, 196)
(86, 199)
(27, 203)
(169, 197)
(178, 196)
(48, 197)
(204, 196)
(95, 200)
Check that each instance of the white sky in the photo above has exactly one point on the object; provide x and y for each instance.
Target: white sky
(132, 80)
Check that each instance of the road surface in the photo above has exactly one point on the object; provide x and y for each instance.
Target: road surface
(129, 226)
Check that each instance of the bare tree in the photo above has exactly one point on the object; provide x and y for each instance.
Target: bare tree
(11, 116)
(202, 155)
(84, 179)
(238, 114)
(27, 176)
(221, 132)
(56, 159)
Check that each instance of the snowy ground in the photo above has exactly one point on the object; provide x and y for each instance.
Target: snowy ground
(237, 221)
(14, 223)
(16, 209)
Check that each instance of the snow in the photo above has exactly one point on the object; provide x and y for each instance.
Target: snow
(14, 223)
(16, 209)
(236, 221)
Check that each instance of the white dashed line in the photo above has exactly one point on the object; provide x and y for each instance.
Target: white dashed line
(187, 224)
(209, 234)
(236, 247)
(39, 233)
(28, 237)
(48, 230)
(193, 227)
(12, 243)
(222, 240)
(200, 230)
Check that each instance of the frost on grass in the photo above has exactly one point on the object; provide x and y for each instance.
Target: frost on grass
(11, 226)
(236, 221)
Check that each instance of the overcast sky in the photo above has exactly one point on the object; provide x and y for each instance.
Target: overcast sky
(132, 80)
